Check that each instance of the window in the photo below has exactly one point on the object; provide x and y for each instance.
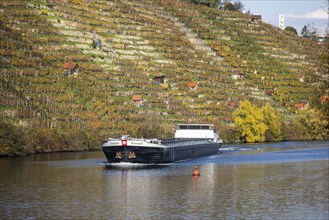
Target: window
(183, 127)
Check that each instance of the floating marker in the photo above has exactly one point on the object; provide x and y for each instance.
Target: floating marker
(196, 171)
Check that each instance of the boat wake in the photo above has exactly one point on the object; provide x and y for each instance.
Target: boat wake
(238, 149)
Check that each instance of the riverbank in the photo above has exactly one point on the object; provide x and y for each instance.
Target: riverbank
(16, 142)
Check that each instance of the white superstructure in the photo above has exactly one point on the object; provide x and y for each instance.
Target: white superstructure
(196, 131)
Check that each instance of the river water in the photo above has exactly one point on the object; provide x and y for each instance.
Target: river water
(286, 180)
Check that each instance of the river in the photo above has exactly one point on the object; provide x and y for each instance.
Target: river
(284, 180)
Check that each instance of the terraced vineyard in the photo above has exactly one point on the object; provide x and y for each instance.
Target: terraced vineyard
(209, 60)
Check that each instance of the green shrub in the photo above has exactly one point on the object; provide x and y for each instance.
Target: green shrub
(12, 140)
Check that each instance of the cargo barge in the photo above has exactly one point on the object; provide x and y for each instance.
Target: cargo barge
(191, 141)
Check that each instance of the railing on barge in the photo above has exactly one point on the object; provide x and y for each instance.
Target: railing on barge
(185, 142)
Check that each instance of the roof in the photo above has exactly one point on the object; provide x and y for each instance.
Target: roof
(324, 99)
(256, 16)
(70, 65)
(197, 124)
(159, 76)
(299, 105)
(231, 103)
(192, 84)
(238, 72)
(137, 98)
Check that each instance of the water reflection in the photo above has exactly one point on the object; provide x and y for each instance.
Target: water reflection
(234, 191)
(133, 166)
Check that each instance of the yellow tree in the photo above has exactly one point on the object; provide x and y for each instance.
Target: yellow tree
(273, 121)
(249, 120)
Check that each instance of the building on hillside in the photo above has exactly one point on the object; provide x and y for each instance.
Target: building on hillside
(193, 86)
(50, 5)
(324, 99)
(300, 106)
(138, 100)
(159, 79)
(256, 18)
(71, 68)
(300, 77)
(231, 104)
(270, 92)
(237, 74)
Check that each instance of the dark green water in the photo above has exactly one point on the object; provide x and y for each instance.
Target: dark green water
(287, 180)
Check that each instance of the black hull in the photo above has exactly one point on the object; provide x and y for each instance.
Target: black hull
(156, 155)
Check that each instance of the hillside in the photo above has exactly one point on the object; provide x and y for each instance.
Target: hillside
(132, 65)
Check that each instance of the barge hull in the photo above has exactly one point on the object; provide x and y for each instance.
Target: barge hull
(154, 155)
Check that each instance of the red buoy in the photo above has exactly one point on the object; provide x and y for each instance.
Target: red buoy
(196, 171)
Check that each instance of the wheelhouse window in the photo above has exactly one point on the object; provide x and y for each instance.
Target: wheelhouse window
(194, 127)
(183, 127)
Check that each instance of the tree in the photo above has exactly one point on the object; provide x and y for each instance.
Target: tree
(291, 131)
(313, 123)
(291, 29)
(273, 121)
(238, 5)
(326, 37)
(310, 32)
(325, 6)
(317, 76)
(12, 140)
(229, 6)
(201, 2)
(249, 120)
(210, 3)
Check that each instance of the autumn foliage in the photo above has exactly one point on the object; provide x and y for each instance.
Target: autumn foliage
(265, 123)
(249, 120)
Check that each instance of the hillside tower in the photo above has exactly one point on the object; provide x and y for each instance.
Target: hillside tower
(281, 21)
